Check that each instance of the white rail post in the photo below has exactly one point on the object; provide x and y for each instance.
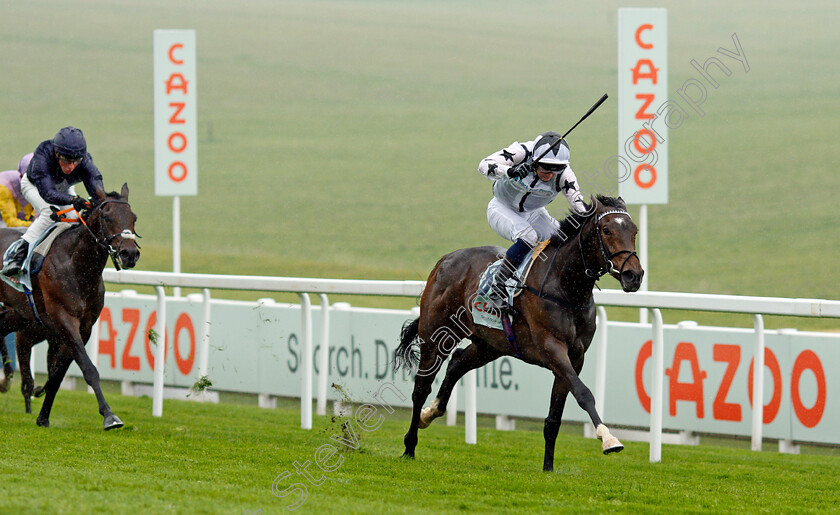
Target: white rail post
(452, 407)
(176, 240)
(470, 388)
(324, 357)
(643, 256)
(601, 363)
(160, 354)
(657, 371)
(204, 355)
(758, 383)
(306, 362)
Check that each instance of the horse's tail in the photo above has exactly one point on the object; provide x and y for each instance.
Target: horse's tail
(406, 354)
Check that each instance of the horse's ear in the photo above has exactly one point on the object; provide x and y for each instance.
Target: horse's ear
(621, 201)
(124, 191)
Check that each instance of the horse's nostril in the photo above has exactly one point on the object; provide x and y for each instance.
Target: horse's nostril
(631, 277)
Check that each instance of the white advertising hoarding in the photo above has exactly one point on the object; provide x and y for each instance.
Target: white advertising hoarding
(256, 348)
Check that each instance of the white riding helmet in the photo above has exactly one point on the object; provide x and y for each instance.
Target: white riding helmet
(559, 155)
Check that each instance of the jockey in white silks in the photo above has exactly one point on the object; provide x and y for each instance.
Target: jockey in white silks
(522, 188)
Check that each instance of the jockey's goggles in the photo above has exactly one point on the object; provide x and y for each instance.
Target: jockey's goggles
(68, 160)
(552, 167)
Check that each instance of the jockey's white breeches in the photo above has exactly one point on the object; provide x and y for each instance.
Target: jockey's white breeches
(531, 226)
(41, 208)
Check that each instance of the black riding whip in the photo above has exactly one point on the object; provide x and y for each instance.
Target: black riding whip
(556, 143)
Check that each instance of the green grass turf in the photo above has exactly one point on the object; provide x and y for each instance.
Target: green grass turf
(340, 139)
(224, 458)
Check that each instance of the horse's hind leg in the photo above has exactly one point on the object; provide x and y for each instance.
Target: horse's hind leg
(52, 363)
(475, 355)
(59, 363)
(24, 342)
(559, 393)
(431, 359)
(8, 372)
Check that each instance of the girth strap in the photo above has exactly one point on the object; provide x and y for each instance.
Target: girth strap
(30, 299)
(511, 338)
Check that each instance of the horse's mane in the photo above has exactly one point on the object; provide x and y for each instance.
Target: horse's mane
(95, 202)
(571, 226)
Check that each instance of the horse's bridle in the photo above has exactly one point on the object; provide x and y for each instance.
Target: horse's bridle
(105, 241)
(608, 266)
(592, 273)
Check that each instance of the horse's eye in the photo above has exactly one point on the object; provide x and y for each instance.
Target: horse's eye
(606, 232)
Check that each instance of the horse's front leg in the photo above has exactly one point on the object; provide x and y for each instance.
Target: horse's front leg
(564, 371)
(559, 392)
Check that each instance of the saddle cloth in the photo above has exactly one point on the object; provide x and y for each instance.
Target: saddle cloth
(482, 309)
(35, 257)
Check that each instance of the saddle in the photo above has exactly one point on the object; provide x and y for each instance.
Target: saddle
(482, 309)
(34, 259)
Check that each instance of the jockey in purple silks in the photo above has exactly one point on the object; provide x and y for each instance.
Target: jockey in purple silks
(56, 166)
(15, 210)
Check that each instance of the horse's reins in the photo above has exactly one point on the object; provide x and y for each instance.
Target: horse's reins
(105, 241)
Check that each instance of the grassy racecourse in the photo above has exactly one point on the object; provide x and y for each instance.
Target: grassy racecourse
(225, 458)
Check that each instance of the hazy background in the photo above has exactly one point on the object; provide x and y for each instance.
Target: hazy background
(341, 139)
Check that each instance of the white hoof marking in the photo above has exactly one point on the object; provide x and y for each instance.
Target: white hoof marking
(429, 414)
(609, 443)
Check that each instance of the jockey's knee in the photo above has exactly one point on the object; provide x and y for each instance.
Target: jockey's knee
(529, 236)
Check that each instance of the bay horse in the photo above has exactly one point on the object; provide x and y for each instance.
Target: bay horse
(554, 318)
(68, 294)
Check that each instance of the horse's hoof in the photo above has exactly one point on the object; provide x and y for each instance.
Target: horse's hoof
(112, 422)
(612, 445)
(43, 422)
(5, 384)
(609, 443)
(39, 391)
(407, 455)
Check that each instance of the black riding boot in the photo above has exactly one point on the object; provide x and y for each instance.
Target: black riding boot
(13, 268)
(498, 292)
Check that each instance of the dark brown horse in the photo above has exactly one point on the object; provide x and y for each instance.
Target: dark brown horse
(68, 294)
(553, 326)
